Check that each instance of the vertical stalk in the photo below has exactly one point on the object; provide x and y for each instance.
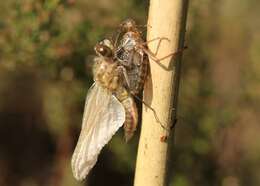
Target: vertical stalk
(167, 19)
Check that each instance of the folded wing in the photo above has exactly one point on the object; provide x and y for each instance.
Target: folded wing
(103, 116)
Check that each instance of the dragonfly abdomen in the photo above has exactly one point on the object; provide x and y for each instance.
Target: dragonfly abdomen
(131, 113)
(131, 118)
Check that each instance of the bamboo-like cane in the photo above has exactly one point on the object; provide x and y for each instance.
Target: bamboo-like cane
(167, 19)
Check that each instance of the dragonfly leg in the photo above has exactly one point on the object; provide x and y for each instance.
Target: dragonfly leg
(158, 45)
(116, 39)
(153, 55)
(152, 109)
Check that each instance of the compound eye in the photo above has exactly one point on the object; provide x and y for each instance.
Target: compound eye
(104, 50)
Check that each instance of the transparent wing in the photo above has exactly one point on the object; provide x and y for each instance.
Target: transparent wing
(103, 116)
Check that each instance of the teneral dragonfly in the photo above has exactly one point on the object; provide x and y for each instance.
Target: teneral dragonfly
(108, 106)
(130, 55)
(131, 79)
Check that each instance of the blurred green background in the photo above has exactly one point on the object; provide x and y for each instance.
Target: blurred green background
(45, 71)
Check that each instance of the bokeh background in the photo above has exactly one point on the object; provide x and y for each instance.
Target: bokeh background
(45, 71)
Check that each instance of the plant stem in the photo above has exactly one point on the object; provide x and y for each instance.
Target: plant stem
(167, 19)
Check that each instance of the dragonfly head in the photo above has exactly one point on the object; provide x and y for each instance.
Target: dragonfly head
(104, 48)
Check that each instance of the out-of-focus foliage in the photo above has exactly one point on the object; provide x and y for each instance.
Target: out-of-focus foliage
(45, 71)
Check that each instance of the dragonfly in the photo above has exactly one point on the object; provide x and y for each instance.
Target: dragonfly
(108, 106)
(133, 63)
(131, 52)
(120, 71)
(105, 48)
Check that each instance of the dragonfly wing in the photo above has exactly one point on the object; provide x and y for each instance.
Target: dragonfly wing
(103, 116)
